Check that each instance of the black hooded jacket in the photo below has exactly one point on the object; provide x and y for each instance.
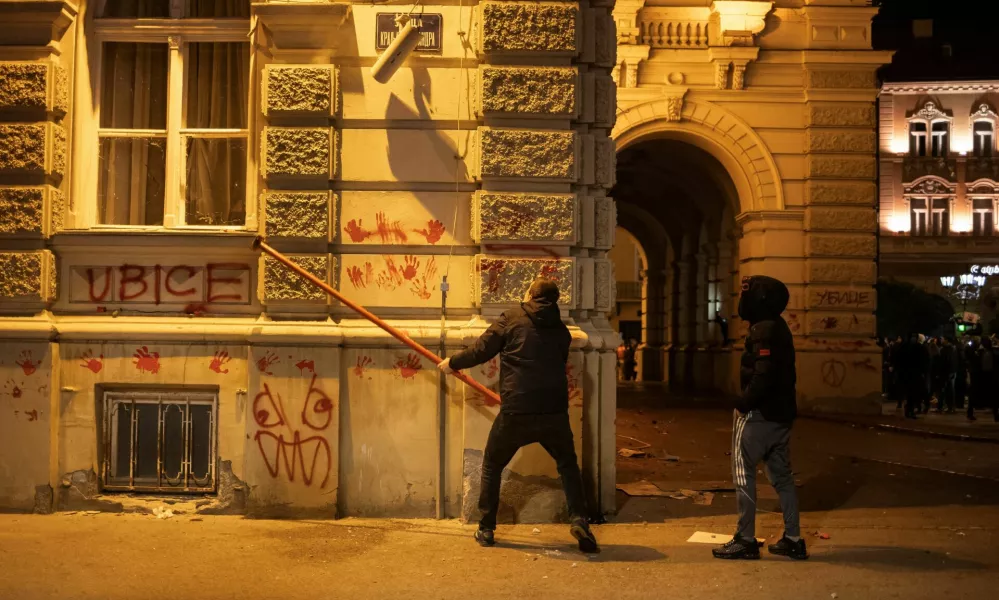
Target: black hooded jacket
(767, 374)
(533, 345)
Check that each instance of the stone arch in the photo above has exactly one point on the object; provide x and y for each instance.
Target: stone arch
(717, 131)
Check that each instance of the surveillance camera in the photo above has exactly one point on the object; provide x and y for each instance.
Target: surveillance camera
(400, 49)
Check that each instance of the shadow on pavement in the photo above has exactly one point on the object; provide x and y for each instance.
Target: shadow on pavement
(608, 553)
(887, 558)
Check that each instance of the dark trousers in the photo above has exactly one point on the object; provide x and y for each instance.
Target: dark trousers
(755, 440)
(946, 397)
(512, 432)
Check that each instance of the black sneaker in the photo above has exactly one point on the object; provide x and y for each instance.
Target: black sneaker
(485, 537)
(789, 548)
(738, 549)
(581, 531)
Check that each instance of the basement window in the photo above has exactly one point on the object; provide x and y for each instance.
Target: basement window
(159, 441)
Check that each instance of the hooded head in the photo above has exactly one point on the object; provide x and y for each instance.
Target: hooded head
(541, 303)
(763, 298)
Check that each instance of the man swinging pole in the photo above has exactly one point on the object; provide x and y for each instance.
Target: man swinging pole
(533, 345)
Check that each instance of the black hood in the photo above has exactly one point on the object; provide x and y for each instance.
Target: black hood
(543, 312)
(763, 298)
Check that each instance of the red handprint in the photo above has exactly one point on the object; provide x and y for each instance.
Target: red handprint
(387, 230)
(32, 415)
(412, 264)
(356, 277)
(492, 368)
(422, 285)
(264, 363)
(220, 358)
(146, 360)
(355, 231)
(306, 364)
(89, 362)
(12, 389)
(391, 277)
(362, 363)
(409, 366)
(29, 366)
(433, 232)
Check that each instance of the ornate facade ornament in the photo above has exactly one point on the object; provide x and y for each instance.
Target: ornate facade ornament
(738, 77)
(674, 108)
(931, 187)
(984, 113)
(738, 22)
(930, 112)
(721, 75)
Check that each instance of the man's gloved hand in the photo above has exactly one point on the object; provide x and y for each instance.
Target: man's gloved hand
(445, 366)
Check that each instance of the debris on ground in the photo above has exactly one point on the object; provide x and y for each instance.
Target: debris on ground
(703, 537)
(704, 499)
(820, 535)
(162, 512)
(641, 488)
(555, 552)
(670, 458)
(644, 444)
(630, 453)
(535, 531)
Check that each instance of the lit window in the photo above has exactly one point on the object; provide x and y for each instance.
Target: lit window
(983, 138)
(173, 113)
(918, 216)
(984, 218)
(929, 216)
(917, 139)
(940, 131)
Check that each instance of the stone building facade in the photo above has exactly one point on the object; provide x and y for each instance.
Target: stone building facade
(939, 182)
(147, 348)
(746, 145)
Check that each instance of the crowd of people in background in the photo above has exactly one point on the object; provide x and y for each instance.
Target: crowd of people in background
(954, 375)
(627, 364)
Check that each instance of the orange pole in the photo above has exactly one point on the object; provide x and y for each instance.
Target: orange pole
(259, 243)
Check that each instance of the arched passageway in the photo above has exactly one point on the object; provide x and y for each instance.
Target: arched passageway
(678, 202)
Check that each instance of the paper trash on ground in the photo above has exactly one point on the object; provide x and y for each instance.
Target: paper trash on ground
(703, 537)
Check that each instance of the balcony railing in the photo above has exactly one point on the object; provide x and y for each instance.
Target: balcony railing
(982, 167)
(629, 291)
(674, 28)
(914, 167)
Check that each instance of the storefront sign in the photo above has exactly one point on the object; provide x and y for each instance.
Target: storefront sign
(987, 270)
(430, 27)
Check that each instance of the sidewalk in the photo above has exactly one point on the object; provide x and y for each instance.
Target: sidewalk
(955, 426)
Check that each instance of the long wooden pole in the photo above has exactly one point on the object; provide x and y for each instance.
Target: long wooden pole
(491, 397)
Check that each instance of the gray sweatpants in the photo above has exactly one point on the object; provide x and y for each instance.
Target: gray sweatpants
(754, 439)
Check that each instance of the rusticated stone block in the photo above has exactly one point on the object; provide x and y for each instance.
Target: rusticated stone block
(606, 162)
(824, 140)
(282, 284)
(823, 79)
(605, 284)
(529, 90)
(850, 115)
(22, 148)
(606, 101)
(298, 152)
(606, 222)
(23, 85)
(58, 202)
(528, 28)
(58, 150)
(840, 219)
(606, 39)
(298, 214)
(300, 89)
(61, 96)
(26, 276)
(22, 210)
(527, 153)
(515, 217)
(841, 192)
(841, 271)
(846, 167)
(831, 244)
(505, 280)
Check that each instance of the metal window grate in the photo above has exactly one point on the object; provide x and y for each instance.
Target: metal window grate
(160, 441)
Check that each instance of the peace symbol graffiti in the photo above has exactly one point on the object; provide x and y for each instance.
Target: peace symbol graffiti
(833, 372)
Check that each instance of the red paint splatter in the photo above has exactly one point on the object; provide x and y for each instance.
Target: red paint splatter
(28, 365)
(390, 231)
(321, 405)
(549, 271)
(87, 361)
(356, 277)
(492, 368)
(355, 231)
(363, 362)
(12, 389)
(32, 415)
(391, 277)
(575, 391)
(306, 364)
(264, 363)
(195, 308)
(493, 269)
(829, 322)
(409, 366)
(146, 360)
(220, 358)
(412, 264)
(531, 249)
(16, 392)
(434, 231)
(865, 364)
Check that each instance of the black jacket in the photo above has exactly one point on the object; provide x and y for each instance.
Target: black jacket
(533, 345)
(767, 374)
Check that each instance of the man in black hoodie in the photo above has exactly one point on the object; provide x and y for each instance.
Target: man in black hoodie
(533, 345)
(763, 418)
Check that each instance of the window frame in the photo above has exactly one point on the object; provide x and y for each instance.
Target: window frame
(929, 115)
(177, 34)
(984, 114)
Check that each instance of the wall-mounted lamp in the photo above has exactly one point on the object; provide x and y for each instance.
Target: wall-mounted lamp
(398, 51)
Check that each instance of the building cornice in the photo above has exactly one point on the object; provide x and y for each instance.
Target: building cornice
(925, 87)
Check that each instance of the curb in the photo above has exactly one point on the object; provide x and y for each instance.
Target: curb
(957, 437)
